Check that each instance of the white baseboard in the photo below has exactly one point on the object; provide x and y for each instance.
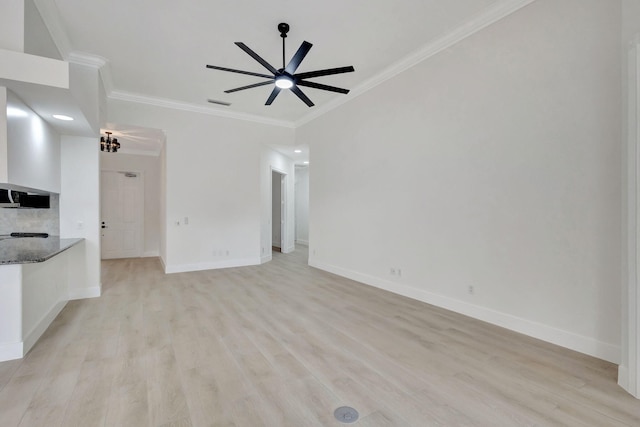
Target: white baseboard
(36, 332)
(164, 265)
(302, 242)
(183, 268)
(150, 254)
(288, 249)
(83, 293)
(11, 351)
(265, 258)
(624, 382)
(563, 338)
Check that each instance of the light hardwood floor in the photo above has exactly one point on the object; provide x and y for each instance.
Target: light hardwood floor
(283, 344)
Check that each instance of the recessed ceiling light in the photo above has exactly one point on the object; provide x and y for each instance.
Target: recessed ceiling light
(62, 117)
(297, 151)
(306, 163)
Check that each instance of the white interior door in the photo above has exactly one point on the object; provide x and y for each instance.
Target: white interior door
(121, 198)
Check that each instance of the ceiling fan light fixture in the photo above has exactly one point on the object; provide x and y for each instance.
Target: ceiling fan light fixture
(286, 77)
(284, 82)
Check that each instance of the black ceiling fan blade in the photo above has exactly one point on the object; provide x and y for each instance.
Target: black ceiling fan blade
(295, 89)
(276, 90)
(231, 70)
(327, 72)
(249, 86)
(257, 57)
(321, 86)
(298, 57)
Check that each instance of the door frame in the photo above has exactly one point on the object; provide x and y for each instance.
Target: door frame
(140, 211)
(284, 218)
(629, 369)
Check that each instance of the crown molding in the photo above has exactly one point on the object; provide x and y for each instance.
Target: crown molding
(87, 59)
(51, 18)
(185, 106)
(497, 12)
(97, 62)
(138, 152)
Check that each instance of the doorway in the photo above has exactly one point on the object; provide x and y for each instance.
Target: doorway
(121, 210)
(278, 213)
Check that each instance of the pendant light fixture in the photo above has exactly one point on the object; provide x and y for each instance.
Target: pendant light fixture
(109, 145)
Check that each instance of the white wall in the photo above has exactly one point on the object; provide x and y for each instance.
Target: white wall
(302, 205)
(495, 164)
(37, 40)
(150, 168)
(213, 177)
(12, 26)
(274, 160)
(33, 152)
(80, 212)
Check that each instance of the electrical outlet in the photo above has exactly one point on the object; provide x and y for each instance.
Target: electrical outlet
(471, 290)
(186, 220)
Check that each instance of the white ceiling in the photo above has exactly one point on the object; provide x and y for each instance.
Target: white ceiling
(157, 51)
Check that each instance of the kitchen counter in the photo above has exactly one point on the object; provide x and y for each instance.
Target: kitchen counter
(26, 250)
(37, 276)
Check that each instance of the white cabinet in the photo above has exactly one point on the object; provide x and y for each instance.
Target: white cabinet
(29, 148)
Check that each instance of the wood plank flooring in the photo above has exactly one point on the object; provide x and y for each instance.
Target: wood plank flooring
(284, 344)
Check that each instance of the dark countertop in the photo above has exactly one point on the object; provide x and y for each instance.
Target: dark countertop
(26, 250)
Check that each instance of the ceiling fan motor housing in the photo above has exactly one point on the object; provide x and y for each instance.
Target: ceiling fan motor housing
(283, 27)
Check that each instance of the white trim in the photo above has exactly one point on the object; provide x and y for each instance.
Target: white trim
(580, 343)
(86, 59)
(194, 108)
(139, 152)
(164, 264)
(288, 249)
(184, 268)
(151, 254)
(84, 293)
(623, 377)
(265, 259)
(284, 208)
(36, 332)
(11, 351)
(302, 242)
(94, 61)
(486, 18)
(629, 371)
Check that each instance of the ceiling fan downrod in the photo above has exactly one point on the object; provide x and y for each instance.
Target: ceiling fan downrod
(283, 27)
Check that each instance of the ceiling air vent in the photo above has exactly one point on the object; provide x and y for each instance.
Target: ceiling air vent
(215, 101)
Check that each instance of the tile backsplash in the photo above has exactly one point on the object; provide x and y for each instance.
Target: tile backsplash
(32, 220)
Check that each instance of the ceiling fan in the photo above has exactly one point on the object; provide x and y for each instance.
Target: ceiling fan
(286, 77)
